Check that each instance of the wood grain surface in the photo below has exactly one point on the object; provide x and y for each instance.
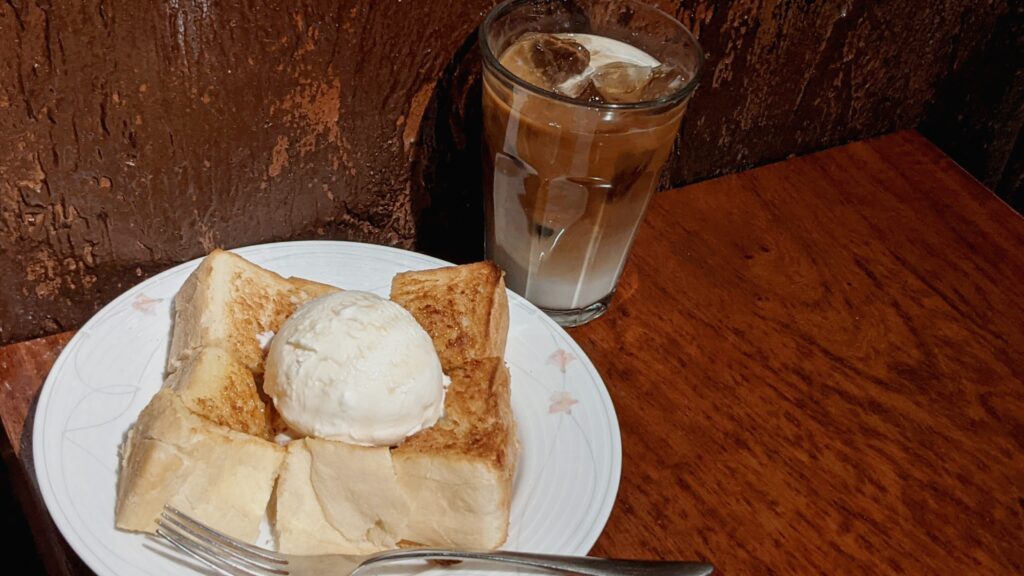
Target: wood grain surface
(816, 369)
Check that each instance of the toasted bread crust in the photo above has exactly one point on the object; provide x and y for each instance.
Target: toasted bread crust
(221, 313)
(228, 302)
(477, 421)
(216, 365)
(312, 289)
(221, 389)
(463, 308)
(458, 474)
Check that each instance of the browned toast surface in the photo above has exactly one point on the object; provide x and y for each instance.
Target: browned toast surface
(215, 385)
(463, 308)
(458, 474)
(477, 421)
(231, 303)
(312, 289)
(223, 316)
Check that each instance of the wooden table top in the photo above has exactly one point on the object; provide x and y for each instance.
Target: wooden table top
(818, 367)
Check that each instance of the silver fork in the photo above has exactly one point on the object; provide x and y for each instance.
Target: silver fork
(229, 556)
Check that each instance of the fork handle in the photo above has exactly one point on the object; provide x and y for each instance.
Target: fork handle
(583, 565)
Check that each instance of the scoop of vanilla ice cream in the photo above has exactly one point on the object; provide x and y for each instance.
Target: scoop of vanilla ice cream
(354, 367)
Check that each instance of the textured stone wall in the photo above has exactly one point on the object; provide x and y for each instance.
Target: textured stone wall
(789, 77)
(136, 134)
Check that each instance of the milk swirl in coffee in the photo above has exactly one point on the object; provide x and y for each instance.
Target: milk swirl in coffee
(573, 173)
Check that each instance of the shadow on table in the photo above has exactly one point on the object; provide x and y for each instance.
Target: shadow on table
(30, 521)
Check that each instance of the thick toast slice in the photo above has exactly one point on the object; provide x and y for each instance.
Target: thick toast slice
(200, 443)
(216, 475)
(235, 305)
(336, 498)
(463, 308)
(216, 386)
(300, 524)
(457, 476)
(449, 485)
(358, 492)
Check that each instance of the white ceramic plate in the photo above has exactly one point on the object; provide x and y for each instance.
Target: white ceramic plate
(565, 485)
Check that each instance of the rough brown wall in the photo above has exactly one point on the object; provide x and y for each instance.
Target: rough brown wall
(788, 77)
(137, 134)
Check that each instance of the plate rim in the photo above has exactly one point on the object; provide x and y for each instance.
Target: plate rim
(96, 564)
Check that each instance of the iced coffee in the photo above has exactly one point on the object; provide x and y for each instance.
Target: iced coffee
(577, 128)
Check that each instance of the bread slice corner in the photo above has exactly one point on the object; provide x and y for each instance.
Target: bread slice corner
(463, 308)
(310, 288)
(359, 493)
(171, 456)
(233, 304)
(300, 525)
(216, 386)
(457, 476)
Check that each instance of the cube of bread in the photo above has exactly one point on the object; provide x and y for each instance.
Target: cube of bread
(231, 303)
(172, 456)
(457, 476)
(299, 522)
(216, 386)
(463, 308)
(358, 493)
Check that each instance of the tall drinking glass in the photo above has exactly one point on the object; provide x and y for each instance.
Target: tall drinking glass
(582, 103)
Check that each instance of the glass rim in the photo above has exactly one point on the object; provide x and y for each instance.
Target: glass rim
(679, 95)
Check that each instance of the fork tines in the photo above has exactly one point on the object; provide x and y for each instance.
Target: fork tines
(217, 550)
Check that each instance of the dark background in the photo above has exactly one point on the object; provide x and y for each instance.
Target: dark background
(137, 134)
